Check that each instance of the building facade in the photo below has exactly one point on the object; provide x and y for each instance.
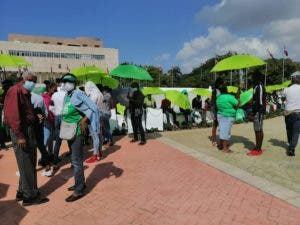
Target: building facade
(50, 56)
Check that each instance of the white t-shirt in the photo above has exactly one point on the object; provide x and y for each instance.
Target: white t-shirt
(58, 101)
(292, 95)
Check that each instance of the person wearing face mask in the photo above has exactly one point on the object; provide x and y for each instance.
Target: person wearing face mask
(78, 109)
(56, 107)
(19, 117)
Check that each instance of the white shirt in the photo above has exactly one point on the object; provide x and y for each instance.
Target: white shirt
(58, 102)
(292, 95)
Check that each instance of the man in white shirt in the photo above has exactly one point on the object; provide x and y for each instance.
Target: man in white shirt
(292, 112)
(56, 107)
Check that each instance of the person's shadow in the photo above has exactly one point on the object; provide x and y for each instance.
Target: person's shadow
(245, 141)
(10, 208)
(56, 181)
(278, 143)
(100, 172)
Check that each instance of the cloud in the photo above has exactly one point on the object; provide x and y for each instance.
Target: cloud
(162, 57)
(202, 43)
(220, 40)
(245, 14)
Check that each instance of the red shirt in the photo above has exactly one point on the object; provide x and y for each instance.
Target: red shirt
(47, 101)
(18, 110)
(165, 104)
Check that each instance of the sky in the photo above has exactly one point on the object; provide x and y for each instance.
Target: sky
(164, 32)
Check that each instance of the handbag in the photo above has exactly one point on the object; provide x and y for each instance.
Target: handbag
(67, 130)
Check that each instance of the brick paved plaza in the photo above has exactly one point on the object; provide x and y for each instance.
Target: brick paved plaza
(159, 183)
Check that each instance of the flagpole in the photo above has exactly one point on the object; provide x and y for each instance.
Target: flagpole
(282, 69)
(231, 78)
(266, 71)
(246, 80)
(201, 76)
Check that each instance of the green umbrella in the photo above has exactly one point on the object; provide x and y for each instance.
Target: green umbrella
(178, 99)
(109, 82)
(276, 87)
(237, 62)
(131, 71)
(201, 92)
(246, 96)
(12, 61)
(152, 91)
(86, 73)
(121, 109)
(232, 89)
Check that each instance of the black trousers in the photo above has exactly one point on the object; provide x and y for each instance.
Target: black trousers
(39, 134)
(137, 126)
(26, 160)
(292, 123)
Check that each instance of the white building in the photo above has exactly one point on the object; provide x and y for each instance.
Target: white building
(51, 56)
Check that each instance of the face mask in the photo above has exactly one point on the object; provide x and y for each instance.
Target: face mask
(69, 86)
(29, 85)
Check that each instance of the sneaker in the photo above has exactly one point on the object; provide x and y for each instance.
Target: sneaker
(134, 140)
(47, 173)
(255, 152)
(92, 159)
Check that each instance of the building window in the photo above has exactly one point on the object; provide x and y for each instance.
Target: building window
(56, 55)
(96, 46)
(84, 45)
(59, 43)
(45, 42)
(59, 66)
(49, 55)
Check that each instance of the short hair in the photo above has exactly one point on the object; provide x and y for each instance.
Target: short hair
(27, 74)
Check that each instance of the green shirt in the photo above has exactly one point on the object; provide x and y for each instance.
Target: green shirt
(226, 104)
(71, 114)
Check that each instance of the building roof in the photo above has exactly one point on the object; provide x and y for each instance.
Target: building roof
(79, 41)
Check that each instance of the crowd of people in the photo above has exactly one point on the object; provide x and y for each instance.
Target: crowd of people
(225, 105)
(65, 112)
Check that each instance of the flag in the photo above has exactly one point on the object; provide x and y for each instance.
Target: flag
(285, 51)
(68, 69)
(271, 55)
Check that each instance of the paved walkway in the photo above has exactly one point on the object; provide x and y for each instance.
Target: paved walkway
(273, 165)
(153, 184)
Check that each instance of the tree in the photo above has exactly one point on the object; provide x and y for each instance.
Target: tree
(175, 73)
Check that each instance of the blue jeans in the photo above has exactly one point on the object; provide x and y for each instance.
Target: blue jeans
(97, 142)
(106, 125)
(77, 161)
(48, 136)
(58, 141)
(292, 122)
(225, 124)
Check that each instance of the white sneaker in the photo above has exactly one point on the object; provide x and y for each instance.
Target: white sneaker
(48, 173)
